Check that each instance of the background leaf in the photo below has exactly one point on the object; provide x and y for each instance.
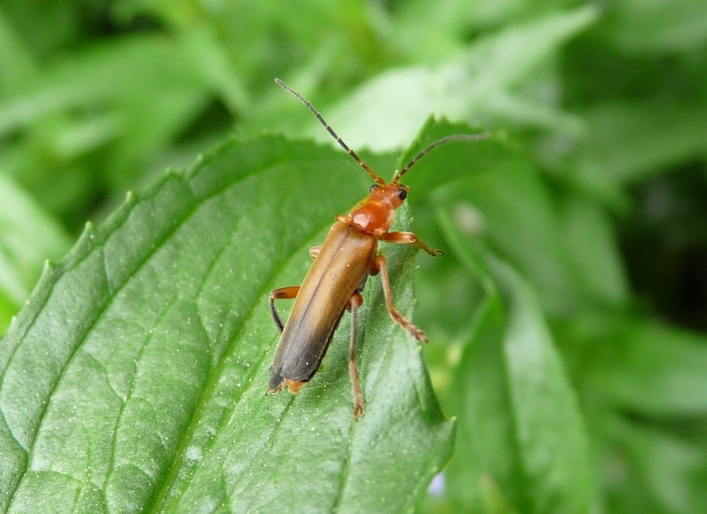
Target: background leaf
(385, 113)
(519, 404)
(652, 369)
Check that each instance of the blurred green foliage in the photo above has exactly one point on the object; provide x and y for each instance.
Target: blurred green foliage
(591, 232)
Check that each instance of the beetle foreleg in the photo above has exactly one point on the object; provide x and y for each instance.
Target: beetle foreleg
(380, 265)
(409, 238)
(284, 293)
(355, 302)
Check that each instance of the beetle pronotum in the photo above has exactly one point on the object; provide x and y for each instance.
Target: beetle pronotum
(342, 264)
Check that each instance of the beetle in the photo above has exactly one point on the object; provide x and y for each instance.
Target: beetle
(342, 264)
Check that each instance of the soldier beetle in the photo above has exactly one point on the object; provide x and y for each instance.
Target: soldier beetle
(342, 264)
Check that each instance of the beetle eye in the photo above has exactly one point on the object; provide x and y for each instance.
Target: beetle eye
(402, 194)
(373, 188)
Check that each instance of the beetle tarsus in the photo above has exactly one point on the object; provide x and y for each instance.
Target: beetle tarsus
(358, 410)
(409, 327)
(408, 238)
(417, 333)
(356, 388)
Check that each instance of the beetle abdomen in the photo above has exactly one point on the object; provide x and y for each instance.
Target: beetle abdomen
(344, 261)
(302, 366)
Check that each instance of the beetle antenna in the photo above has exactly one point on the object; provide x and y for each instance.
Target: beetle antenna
(439, 142)
(353, 154)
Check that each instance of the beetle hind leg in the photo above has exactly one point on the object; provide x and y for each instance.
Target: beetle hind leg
(355, 302)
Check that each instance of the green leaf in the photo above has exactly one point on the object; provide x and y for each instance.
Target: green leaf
(524, 430)
(569, 253)
(134, 378)
(485, 450)
(28, 236)
(551, 436)
(520, 220)
(593, 251)
(655, 27)
(672, 469)
(96, 76)
(384, 112)
(652, 369)
(627, 141)
(17, 66)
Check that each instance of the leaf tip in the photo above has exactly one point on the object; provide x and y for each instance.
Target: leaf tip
(89, 231)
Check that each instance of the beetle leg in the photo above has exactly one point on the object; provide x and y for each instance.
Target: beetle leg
(380, 265)
(355, 302)
(284, 293)
(314, 251)
(409, 238)
(276, 389)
